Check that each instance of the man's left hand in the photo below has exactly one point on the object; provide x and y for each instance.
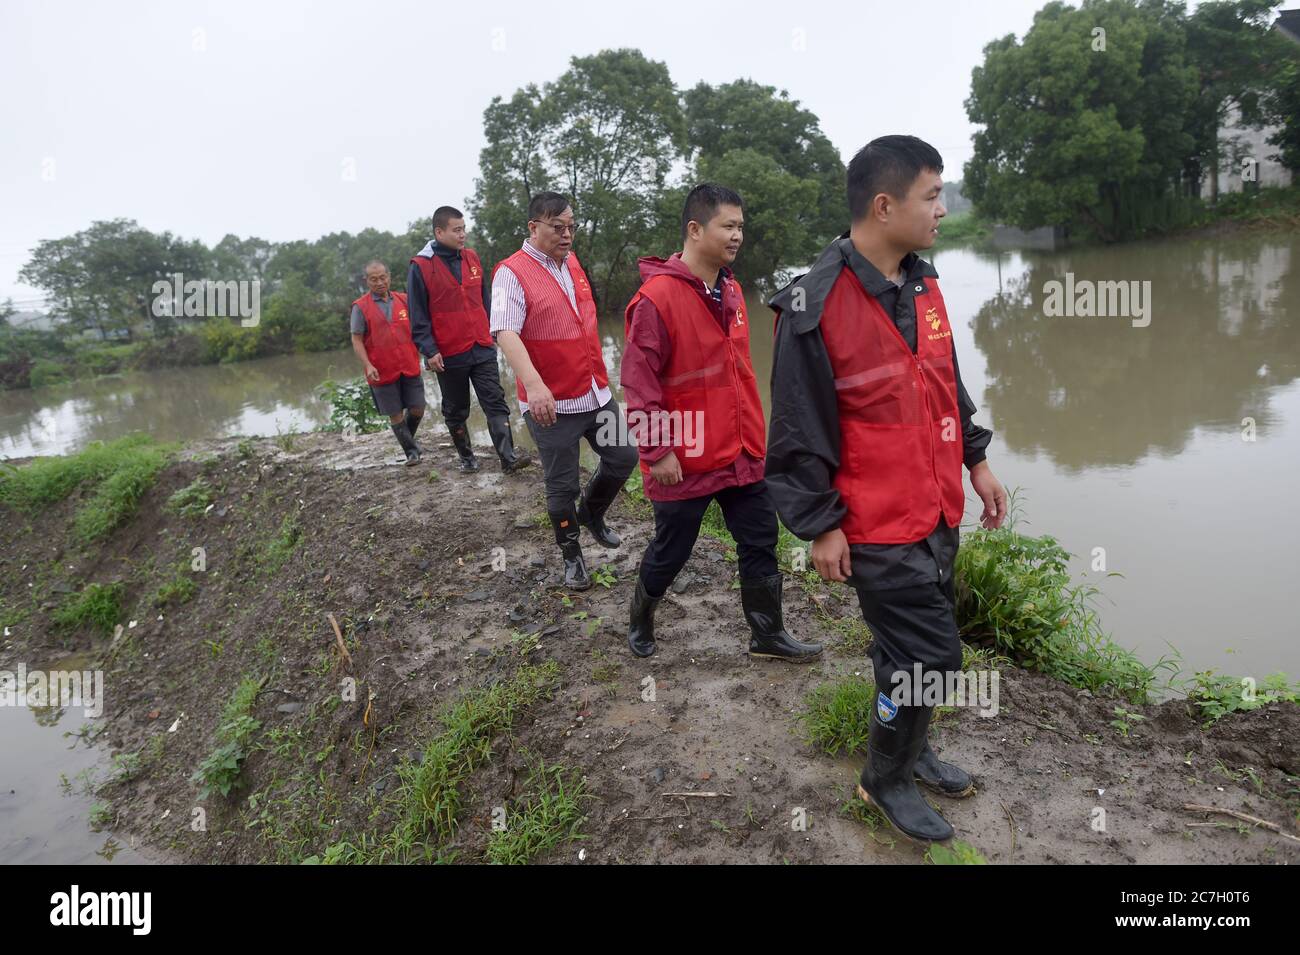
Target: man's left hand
(992, 493)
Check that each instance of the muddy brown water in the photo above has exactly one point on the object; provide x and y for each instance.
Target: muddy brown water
(50, 767)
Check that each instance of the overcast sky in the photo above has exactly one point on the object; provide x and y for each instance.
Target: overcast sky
(210, 118)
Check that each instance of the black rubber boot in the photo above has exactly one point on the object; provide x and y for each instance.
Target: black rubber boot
(460, 438)
(641, 631)
(944, 778)
(597, 496)
(567, 535)
(407, 442)
(503, 440)
(413, 423)
(888, 782)
(761, 600)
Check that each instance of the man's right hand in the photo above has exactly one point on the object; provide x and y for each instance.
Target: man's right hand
(830, 555)
(372, 373)
(667, 470)
(541, 404)
(435, 363)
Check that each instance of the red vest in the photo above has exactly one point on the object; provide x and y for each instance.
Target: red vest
(900, 429)
(708, 372)
(455, 308)
(388, 344)
(564, 345)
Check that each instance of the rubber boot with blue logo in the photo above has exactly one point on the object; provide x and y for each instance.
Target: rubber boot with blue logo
(888, 779)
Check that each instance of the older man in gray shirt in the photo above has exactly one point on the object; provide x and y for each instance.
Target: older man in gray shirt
(381, 340)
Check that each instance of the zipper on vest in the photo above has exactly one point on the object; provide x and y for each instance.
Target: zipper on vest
(929, 431)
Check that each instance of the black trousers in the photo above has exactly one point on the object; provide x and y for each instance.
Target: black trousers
(454, 384)
(560, 451)
(750, 516)
(912, 625)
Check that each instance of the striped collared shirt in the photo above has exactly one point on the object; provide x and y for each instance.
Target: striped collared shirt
(509, 311)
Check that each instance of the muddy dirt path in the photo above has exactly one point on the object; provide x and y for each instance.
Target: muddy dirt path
(441, 581)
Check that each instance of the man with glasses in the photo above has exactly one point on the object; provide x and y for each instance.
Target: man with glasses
(544, 319)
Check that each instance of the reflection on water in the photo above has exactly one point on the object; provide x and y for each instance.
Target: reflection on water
(1088, 391)
(1127, 441)
(172, 404)
(45, 785)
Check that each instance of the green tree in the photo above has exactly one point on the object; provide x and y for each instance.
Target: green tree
(605, 133)
(236, 259)
(764, 145)
(780, 214)
(1233, 49)
(511, 170)
(1282, 107)
(102, 277)
(301, 319)
(1076, 123)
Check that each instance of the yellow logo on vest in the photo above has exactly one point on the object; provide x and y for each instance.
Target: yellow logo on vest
(401, 313)
(740, 316)
(932, 316)
(473, 271)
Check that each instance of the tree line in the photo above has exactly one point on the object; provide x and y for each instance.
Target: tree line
(1105, 119)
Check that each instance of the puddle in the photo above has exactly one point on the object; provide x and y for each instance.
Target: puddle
(46, 774)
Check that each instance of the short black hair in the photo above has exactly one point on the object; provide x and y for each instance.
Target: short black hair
(889, 164)
(443, 215)
(703, 201)
(546, 204)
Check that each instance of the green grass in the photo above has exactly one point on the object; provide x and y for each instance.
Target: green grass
(1015, 592)
(1279, 205)
(118, 496)
(837, 715)
(604, 669)
(219, 772)
(98, 606)
(1217, 695)
(280, 548)
(191, 500)
(180, 589)
(548, 813)
(431, 791)
(867, 815)
(46, 481)
(634, 488)
(855, 635)
(958, 853)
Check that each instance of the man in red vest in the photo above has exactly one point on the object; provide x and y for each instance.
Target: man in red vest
(870, 428)
(381, 339)
(449, 322)
(544, 319)
(693, 404)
